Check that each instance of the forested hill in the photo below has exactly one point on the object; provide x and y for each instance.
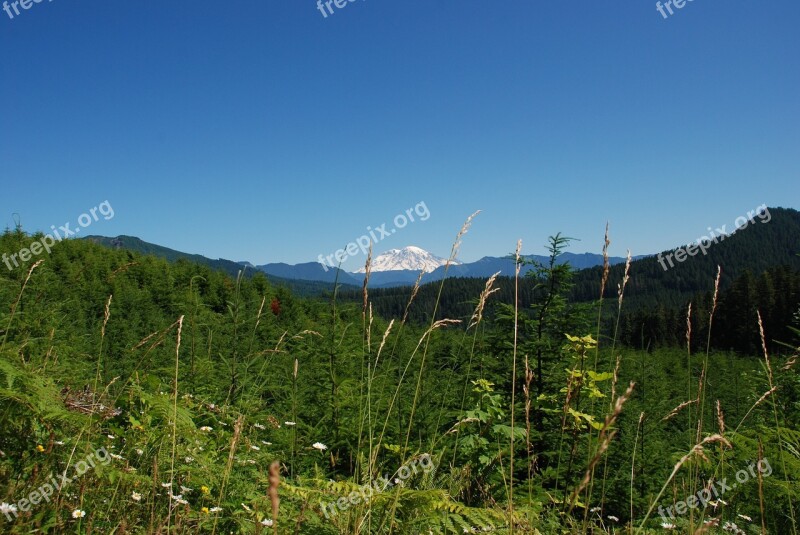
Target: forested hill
(74, 282)
(131, 243)
(775, 241)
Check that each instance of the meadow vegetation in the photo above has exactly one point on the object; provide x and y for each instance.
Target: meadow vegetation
(230, 405)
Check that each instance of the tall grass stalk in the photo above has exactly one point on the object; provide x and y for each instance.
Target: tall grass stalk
(365, 404)
(603, 282)
(174, 418)
(761, 488)
(332, 365)
(620, 299)
(249, 355)
(518, 265)
(778, 432)
(701, 392)
(633, 469)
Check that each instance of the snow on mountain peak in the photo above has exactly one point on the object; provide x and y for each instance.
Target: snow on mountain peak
(408, 258)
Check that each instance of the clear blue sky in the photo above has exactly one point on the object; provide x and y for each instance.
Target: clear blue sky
(260, 130)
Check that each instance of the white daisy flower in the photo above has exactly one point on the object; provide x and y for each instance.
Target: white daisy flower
(215, 509)
(290, 423)
(139, 451)
(745, 517)
(667, 525)
(266, 522)
(319, 446)
(259, 426)
(78, 513)
(136, 496)
(185, 490)
(255, 448)
(614, 518)
(166, 485)
(206, 428)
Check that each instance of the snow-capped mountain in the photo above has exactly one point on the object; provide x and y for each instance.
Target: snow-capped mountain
(408, 258)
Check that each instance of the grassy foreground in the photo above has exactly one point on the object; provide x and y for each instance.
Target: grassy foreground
(138, 396)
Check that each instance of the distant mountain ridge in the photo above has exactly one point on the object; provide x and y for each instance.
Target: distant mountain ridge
(767, 244)
(311, 271)
(313, 277)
